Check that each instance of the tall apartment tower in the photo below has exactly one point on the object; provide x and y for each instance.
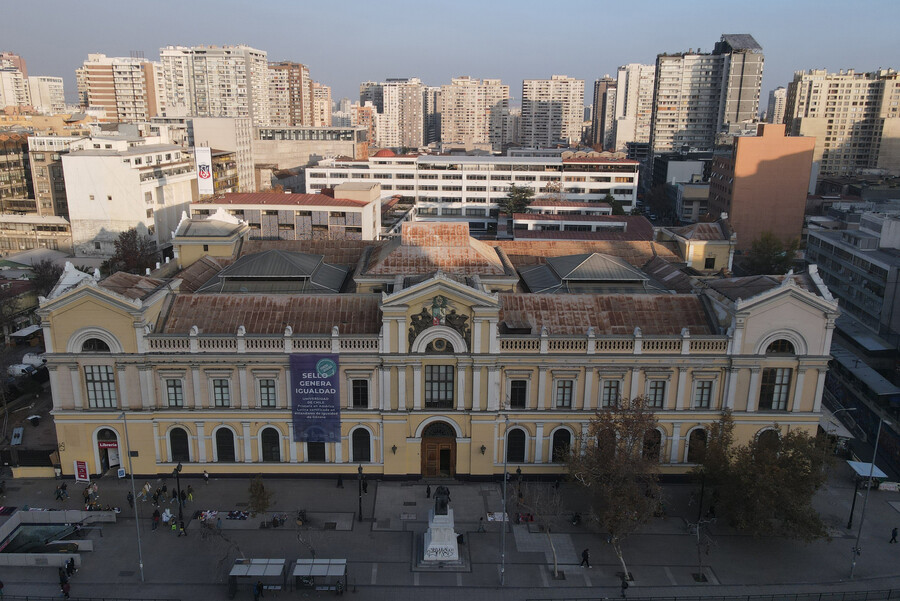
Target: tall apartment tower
(13, 60)
(218, 81)
(130, 89)
(321, 105)
(853, 116)
(47, 94)
(603, 100)
(433, 108)
(552, 111)
(475, 112)
(13, 88)
(697, 96)
(634, 104)
(400, 105)
(777, 102)
(290, 94)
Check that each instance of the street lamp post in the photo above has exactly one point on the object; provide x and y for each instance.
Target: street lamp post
(137, 523)
(177, 473)
(862, 517)
(359, 481)
(503, 518)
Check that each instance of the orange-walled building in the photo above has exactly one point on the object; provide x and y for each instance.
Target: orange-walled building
(762, 184)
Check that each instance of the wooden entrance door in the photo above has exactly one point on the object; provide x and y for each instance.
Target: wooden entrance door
(439, 457)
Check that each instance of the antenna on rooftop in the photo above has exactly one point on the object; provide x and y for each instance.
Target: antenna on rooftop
(137, 54)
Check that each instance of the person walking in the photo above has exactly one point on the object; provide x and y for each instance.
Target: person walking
(258, 590)
(586, 558)
(63, 577)
(65, 588)
(427, 491)
(65, 490)
(181, 530)
(190, 493)
(205, 477)
(365, 483)
(183, 498)
(340, 481)
(893, 535)
(156, 518)
(130, 499)
(174, 495)
(624, 585)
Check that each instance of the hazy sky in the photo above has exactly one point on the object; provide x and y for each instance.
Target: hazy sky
(345, 42)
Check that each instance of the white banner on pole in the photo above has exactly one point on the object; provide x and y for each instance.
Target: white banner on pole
(203, 157)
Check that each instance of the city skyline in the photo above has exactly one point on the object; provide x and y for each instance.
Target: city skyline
(794, 36)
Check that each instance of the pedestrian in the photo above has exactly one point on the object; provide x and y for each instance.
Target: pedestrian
(481, 525)
(219, 524)
(63, 577)
(365, 484)
(340, 482)
(258, 590)
(130, 499)
(183, 498)
(181, 530)
(624, 585)
(174, 495)
(59, 495)
(156, 518)
(556, 483)
(145, 492)
(164, 489)
(65, 490)
(70, 567)
(156, 498)
(190, 493)
(65, 588)
(893, 535)
(427, 491)
(205, 477)
(586, 558)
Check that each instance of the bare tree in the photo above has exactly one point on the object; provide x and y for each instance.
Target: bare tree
(544, 503)
(617, 463)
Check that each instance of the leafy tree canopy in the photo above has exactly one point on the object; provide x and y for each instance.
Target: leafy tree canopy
(517, 199)
(134, 253)
(769, 256)
(46, 274)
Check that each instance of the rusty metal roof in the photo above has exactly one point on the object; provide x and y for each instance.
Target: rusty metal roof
(609, 315)
(270, 314)
(534, 252)
(338, 252)
(199, 272)
(131, 285)
(701, 231)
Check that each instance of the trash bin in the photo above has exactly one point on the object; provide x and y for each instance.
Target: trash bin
(35, 420)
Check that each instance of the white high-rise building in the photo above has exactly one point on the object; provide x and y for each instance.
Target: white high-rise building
(48, 94)
(13, 88)
(552, 111)
(321, 105)
(474, 112)
(634, 104)
(218, 81)
(777, 103)
(401, 110)
(129, 89)
(854, 117)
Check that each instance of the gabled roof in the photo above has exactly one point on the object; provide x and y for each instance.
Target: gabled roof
(592, 272)
(339, 252)
(533, 252)
(130, 285)
(199, 272)
(701, 231)
(669, 275)
(278, 271)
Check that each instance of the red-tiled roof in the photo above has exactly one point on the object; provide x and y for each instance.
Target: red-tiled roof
(131, 285)
(609, 315)
(294, 200)
(522, 253)
(271, 313)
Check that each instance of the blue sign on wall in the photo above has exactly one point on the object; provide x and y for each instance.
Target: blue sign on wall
(316, 398)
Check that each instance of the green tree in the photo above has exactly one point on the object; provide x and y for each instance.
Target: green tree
(517, 199)
(769, 256)
(46, 274)
(617, 465)
(615, 204)
(260, 497)
(134, 253)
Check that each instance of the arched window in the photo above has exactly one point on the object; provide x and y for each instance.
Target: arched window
(697, 446)
(768, 441)
(271, 444)
(562, 444)
(652, 444)
(225, 446)
(515, 446)
(94, 345)
(179, 447)
(780, 347)
(361, 451)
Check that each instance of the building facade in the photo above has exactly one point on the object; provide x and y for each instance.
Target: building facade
(232, 135)
(290, 94)
(25, 232)
(16, 187)
(444, 371)
(321, 105)
(777, 104)
(45, 156)
(552, 111)
(128, 89)
(400, 103)
(473, 113)
(293, 147)
(634, 105)
(854, 118)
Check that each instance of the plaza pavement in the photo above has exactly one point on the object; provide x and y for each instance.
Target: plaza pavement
(662, 556)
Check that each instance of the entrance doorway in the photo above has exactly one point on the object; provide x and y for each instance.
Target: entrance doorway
(107, 449)
(439, 451)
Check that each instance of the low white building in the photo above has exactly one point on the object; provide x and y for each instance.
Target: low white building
(114, 185)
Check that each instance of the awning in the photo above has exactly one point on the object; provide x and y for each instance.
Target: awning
(833, 426)
(25, 332)
(862, 469)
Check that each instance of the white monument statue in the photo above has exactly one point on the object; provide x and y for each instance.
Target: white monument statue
(440, 539)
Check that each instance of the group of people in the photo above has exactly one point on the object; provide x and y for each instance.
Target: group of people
(62, 492)
(162, 493)
(65, 573)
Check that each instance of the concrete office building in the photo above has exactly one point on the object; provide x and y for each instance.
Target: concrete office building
(777, 104)
(321, 105)
(47, 94)
(14, 61)
(45, 156)
(234, 135)
(634, 105)
(14, 89)
(445, 366)
(604, 105)
(16, 189)
(217, 81)
(293, 147)
(697, 96)
(25, 232)
(128, 89)
(762, 183)
(290, 94)
(114, 185)
(552, 111)
(474, 112)
(433, 108)
(854, 117)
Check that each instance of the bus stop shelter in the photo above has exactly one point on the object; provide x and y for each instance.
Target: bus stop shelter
(862, 469)
(321, 574)
(270, 572)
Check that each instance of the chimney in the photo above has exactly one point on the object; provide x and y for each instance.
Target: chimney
(327, 192)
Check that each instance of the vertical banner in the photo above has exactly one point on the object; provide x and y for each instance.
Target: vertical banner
(203, 156)
(81, 472)
(316, 398)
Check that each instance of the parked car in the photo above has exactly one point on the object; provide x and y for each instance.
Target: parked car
(35, 359)
(20, 369)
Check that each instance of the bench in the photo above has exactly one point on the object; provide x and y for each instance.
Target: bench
(17, 435)
(272, 587)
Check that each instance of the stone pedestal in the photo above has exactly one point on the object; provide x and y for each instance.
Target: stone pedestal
(440, 539)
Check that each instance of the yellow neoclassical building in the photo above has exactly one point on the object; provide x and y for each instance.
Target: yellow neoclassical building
(429, 355)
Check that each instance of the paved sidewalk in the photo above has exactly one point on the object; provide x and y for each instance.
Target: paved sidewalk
(663, 556)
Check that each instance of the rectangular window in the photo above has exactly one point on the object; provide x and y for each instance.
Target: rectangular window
(175, 392)
(703, 394)
(439, 386)
(612, 390)
(709, 263)
(315, 452)
(101, 386)
(773, 392)
(267, 393)
(360, 394)
(564, 393)
(221, 393)
(656, 393)
(518, 394)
